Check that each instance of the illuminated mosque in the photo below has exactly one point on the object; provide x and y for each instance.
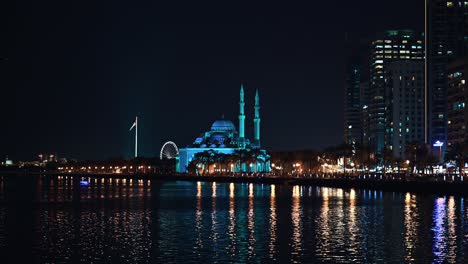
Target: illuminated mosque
(224, 138)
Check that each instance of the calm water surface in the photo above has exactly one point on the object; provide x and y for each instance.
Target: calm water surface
(55, 220)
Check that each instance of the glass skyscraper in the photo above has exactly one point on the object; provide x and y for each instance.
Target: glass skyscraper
(390, 46)
(447, 40)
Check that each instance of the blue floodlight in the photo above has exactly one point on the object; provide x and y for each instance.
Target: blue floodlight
(84, 183)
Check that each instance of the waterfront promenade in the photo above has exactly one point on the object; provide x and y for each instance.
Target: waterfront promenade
(434, 184)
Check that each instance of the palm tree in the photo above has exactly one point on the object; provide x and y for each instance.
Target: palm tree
(241, 157)
(388, 158)
(431, 160)
(411, 153)
(418, 154)
(345, 151)
(362, 156)
(399, 162)
(229, 160)
(200, 158)
(257, 156)
(457, 152)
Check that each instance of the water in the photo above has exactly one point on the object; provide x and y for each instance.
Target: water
(54, 219)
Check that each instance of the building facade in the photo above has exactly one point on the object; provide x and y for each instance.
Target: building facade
(364, 114)
(352, 116)
(356, 72)
(223, 138)
(457, 95)
(447, 40)
(405, 105)
(393, 45)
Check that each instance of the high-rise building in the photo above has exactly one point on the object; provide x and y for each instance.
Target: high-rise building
(457, 102)
(352, 118)
(365, 98)
(405, 105)
(356, 72)
(393, 45)
(447, 39)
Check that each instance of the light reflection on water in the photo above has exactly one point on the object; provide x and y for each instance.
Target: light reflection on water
(411, 227)
(296, 218)
(54, 219)
(273, 220)
(445, 236)
(251, 223)
(232, 221)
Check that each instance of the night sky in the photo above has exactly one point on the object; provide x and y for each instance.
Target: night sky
(75, 73)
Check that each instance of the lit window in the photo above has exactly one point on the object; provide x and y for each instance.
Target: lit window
(450, 4)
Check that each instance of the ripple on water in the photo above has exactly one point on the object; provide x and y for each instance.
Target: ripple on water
(184, 222)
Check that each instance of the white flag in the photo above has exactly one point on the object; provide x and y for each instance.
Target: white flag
(134, 124)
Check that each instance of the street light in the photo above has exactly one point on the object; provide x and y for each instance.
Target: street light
(439, 144)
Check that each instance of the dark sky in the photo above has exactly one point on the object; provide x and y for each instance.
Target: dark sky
(75, 73)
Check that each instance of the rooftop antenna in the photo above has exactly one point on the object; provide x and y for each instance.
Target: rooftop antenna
(135, 125)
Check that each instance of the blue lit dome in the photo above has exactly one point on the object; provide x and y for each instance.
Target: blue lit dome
(218, 138)
(223, 126)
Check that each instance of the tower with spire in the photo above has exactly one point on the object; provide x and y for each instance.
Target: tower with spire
(257, 120)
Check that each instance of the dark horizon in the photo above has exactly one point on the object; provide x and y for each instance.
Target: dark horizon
(76, 74)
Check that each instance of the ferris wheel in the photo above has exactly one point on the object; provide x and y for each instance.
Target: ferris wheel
(169, 151)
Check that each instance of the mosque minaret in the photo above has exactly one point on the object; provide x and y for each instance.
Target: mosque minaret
(257, 120)
(241, 114)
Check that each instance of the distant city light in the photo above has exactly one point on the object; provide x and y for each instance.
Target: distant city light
(84, 183)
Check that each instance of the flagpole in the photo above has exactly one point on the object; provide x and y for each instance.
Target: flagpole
(136, 136)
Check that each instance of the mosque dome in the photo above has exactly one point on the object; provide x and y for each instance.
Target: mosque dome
(218, 138)
(223, 126)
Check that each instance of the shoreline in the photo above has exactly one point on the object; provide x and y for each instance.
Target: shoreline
(414, 186)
